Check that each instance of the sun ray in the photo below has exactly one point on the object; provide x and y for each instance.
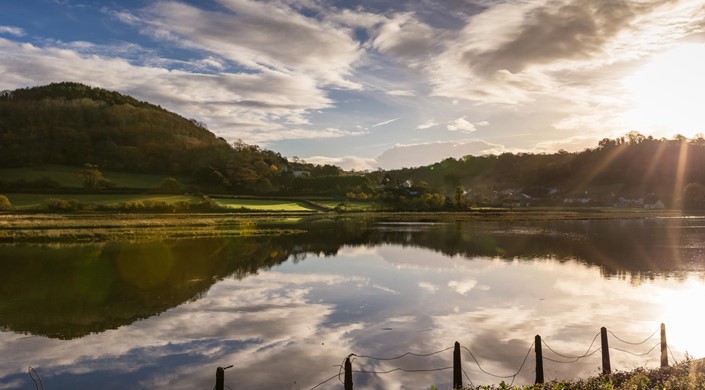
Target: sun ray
(601, 167)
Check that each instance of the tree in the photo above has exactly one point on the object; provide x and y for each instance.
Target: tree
(170, 185)
(5, 203)
(91, 176)
(694, 196)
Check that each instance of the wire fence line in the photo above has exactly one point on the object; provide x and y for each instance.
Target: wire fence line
(573, 358)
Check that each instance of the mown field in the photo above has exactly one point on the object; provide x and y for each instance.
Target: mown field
(29, 202)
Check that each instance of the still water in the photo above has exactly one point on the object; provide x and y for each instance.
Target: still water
(286, 310)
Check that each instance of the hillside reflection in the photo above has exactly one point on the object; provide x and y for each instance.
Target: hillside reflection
(285, 309)
(70, 291)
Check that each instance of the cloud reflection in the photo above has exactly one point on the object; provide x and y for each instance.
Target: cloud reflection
(296, 321)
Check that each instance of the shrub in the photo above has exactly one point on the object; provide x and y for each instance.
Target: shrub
(5, 203)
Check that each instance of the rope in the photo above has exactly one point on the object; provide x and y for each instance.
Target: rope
(32, 372)
(491, 374)
(403, 369)
(637, 354)
(325, 381)
(401, 356)
(578, 358)
(522, 364)
(672, 356)
(467, 377)
(572, 357)
(627, 342)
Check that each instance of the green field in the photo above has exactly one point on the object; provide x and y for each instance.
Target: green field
(35, 201)
(67, 176)
(264, 204)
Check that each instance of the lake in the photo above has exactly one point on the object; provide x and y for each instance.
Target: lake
(285, 310)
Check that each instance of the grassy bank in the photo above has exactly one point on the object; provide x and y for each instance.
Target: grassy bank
(688, 375)
(102, 227)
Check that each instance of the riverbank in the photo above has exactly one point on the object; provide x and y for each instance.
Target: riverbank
(88, 227)
(687, 375)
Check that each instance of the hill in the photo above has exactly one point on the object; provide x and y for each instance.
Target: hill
(69, 125)
(72, 124)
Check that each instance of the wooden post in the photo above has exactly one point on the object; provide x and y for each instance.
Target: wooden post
(457, 368)
(348, 374)
(219, 378)
(539, 359)
(664, 347)
(606, 367)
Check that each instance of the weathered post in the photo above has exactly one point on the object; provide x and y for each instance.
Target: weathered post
(539, 359)
(664, 346)
(457, 369)
(348, 383)
(606, 367)
(220, 378)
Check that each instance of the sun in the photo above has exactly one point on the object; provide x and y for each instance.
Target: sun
(666, 94)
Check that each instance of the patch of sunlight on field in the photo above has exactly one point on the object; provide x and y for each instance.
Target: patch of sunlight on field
(264, 204)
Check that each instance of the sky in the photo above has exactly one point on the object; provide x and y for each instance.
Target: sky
(380, 83)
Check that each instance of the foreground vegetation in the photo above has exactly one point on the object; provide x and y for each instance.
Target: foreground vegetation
(688, 375)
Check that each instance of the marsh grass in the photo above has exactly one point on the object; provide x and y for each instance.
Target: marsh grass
(99, 227)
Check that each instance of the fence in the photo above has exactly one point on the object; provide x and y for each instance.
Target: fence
(458, 373)
(346, 371)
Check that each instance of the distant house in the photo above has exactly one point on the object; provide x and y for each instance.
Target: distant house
(656, 205)
(298, 173)
(579, 201)
(629, 203)
(517, 200)
(650, 202)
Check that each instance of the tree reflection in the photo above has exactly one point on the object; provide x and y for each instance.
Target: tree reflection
(70, 291)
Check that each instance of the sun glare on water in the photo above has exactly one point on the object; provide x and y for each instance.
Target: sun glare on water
(667, 93)
(684, 319)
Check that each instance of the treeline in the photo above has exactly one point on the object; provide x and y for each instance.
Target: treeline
(632, 165)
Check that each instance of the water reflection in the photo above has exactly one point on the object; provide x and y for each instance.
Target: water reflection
(166, 314)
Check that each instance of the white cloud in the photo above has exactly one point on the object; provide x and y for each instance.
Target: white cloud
(462, 125)
(414, 155)
(401, 92)
(11, 30)
(430, 287)
(428, 124)
(463, 286)
(246, 36)
(346, 162)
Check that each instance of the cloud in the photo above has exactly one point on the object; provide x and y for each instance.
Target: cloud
(462, 287)
(405, 36)
(260, 36)
(428, 124)
(430, 287)
(415, 155)
(462, 125)
(298, 133)
(346, 162)
(401, 92)
(11, 30)
(515, 52)
(248, 106)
